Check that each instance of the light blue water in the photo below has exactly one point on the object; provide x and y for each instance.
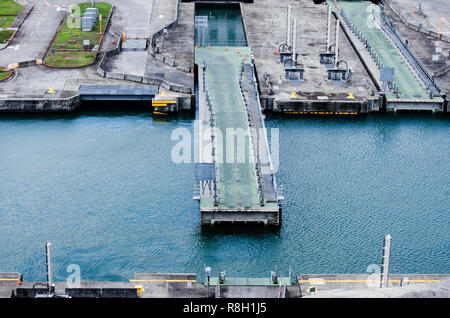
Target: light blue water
(103, 189)
(224, 26)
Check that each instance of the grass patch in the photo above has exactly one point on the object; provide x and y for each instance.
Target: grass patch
(5, 21)
(5, 35)
(70, 59)
(4, 75)
(70, 37)
(103, 8)
(10, 7)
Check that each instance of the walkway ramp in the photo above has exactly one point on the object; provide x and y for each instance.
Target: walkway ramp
(240, 191)
(363, 20)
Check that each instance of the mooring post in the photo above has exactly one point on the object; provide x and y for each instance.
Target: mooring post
(337, 44)
(385, 261)
(294, 35)
(288, 27)
(48, 262)
(329, 29)
(208, 274)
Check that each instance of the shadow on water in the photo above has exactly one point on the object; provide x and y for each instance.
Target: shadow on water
(109, 109)
(241, 230)
(362, 117)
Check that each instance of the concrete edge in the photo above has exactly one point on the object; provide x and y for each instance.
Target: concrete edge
(413, 26)
(5, 45)
(168, 26)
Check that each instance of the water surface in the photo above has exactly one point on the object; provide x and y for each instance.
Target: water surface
(102, 188)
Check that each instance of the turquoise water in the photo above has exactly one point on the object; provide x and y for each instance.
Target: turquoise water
(224, 27)
(103, 189)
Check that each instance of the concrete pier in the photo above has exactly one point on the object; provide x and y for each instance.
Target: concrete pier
(240, 190)
(167, 58)
(315, 93)
(35, 87)
(185, 285)
(411, 87)
(365, 285)
(424, 40)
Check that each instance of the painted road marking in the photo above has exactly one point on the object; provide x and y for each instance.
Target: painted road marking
(9, 279)
(351, 95)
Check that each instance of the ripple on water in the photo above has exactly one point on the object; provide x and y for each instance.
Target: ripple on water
(104, 190)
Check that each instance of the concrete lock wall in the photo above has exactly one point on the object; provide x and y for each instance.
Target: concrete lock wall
(39, 105)
(315, 106)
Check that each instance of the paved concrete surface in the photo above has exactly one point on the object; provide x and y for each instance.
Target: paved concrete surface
(34, 36)
(59, 80)
(366, 285)
(419, 290)
(156, 69)
(39, 28)
(8, 281)
(128, 62)
(163, 13)
(179, 41)
(184, 285)
(432, 10)
(425, 47)
(268, 17)
(140, 63)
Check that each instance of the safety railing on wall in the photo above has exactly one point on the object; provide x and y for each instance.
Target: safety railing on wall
(214, 43)
(168, 26)
(252, 137)
(212, 121)
(427, 78)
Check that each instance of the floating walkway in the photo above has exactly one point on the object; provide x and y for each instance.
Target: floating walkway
(242, 187)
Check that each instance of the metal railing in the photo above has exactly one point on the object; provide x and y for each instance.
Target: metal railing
(212, 120)
(392, 85)
(427, 78)
(213, 43)
(256, 158)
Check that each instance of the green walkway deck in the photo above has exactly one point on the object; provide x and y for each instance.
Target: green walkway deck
(237, 181)
(360, 13)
